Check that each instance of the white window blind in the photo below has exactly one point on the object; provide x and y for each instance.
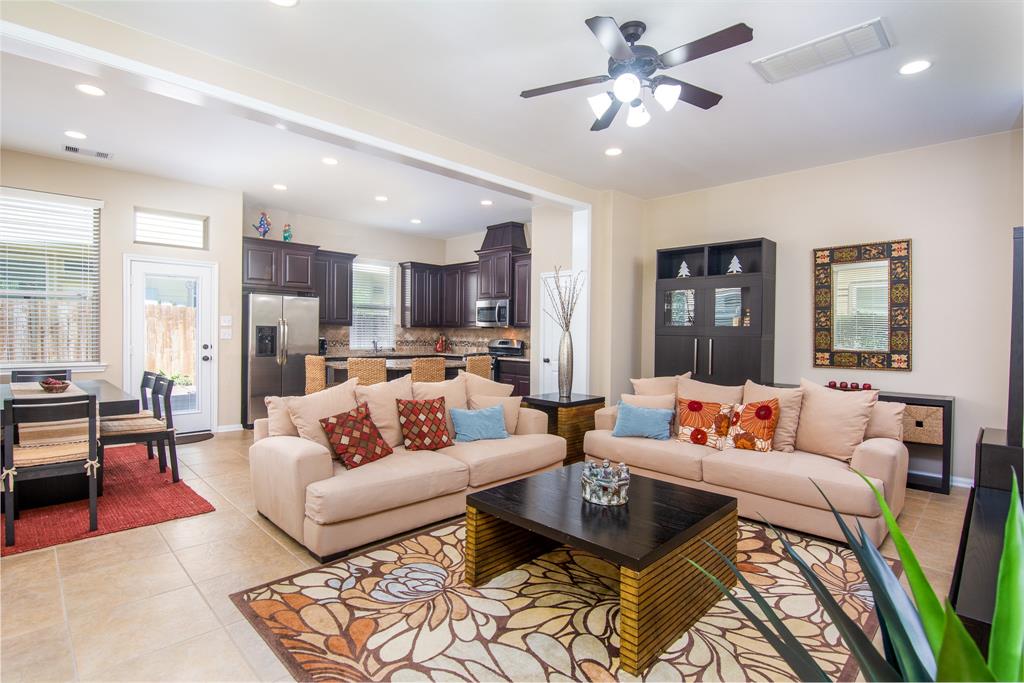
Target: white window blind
(49, 279)
(373, 301)
(172, 229)
(860, 306)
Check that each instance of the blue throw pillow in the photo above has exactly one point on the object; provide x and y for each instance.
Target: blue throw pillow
(649, 423)
(473, 425)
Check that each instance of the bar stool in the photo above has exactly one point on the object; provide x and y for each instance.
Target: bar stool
(316, 374)
(479, 365)
(428, 369)
(368, 370)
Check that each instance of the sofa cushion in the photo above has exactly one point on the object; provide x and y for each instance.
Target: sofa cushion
(833, 422)
(381, 399)
(402, 478)
(702, 422)
(491, 461)
(479, 425)
(453, 391)
(655, 386)
(423, 424)
(677, 458)
(481, 386)
(753, 425)
(353, 437)
(307, 411)
(279, 421)
(787, 476)
(789, 411)
(664, 401)
(510, 406)
(647, 423)
(886, 421)
(713, 393)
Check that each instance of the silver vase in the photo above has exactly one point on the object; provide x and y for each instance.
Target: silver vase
(565, 365)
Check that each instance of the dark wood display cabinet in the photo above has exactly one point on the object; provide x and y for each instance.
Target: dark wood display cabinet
(270, 265)
(718, 325)
(332, 282)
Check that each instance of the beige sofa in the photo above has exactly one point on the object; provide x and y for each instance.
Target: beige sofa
(329, 509)
(774, 485)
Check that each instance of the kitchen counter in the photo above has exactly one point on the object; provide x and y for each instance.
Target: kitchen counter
(399, 364)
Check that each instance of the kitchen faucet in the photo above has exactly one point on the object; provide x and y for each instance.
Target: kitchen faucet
(376, 346)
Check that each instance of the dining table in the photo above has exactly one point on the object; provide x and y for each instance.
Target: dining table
(111, 400)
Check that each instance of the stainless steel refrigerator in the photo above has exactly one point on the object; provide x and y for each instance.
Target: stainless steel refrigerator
(280, 332)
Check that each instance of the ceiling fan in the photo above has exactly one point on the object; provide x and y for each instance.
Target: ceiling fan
(631, 67)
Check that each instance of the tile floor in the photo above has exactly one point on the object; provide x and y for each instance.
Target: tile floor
(151, 603)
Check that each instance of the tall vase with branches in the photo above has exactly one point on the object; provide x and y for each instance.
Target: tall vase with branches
(564, 292)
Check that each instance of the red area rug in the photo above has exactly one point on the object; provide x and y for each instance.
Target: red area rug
(135, 494)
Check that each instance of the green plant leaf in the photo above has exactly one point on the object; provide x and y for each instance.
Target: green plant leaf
(803, 666)
(907, 639)
(928, 606)
(872, 664)
(959, 657)
(806, 668)
(1006, 640)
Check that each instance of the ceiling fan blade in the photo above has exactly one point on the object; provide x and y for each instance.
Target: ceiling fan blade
(564, 86)
(609, 116)
(709, 44)
(691, 94)
(609, 35)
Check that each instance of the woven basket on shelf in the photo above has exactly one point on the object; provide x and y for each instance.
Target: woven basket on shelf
(479, 365)
(368, 370)
(428, 369)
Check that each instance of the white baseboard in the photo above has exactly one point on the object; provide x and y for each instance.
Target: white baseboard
(227, 428)
(962, 482)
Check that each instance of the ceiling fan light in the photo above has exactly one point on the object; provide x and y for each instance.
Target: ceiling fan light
(599, 104)
(626, 87)
(667, 95)
(638, 116)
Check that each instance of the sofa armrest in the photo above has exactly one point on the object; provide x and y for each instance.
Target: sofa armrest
(282, 467)
(260, 429)
(887, 460)
(605, 417)
(532, 421)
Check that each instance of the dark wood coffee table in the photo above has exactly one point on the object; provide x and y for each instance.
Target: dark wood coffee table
(651, 539)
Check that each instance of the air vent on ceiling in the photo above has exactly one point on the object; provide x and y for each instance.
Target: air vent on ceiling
(840, 46)
(74, 149)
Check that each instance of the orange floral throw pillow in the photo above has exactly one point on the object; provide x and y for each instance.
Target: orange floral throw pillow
(703, 423)
(753, 425)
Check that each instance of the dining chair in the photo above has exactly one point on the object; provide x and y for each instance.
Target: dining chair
(479, 365)
(32, 375)
(316, 374)
(158, 429)
(368, 370)
(428, 369)
(40, 460)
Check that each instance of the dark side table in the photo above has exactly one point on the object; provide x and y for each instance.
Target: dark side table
(569, 418)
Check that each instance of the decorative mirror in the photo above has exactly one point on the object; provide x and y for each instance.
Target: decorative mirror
(862, 306)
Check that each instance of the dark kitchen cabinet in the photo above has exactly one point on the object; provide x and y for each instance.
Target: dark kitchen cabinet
(332, 283)
(451, 297)
(434, 293)
(514, 372)
(496, 274)
(470, 292)
(270, 264)
(421, 295)
(521, 290)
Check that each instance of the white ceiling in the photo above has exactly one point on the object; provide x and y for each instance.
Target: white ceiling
(149, 133)
(456, 68)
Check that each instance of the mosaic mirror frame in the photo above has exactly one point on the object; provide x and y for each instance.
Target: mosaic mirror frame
(898, 356)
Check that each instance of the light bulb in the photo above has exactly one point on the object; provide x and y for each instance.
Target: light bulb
(915, 67)
(626, 87)
(638, 116)
(599, 104)
(667, 95)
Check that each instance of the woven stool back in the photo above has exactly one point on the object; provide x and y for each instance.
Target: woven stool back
(479, 365)
(428, 369)
(316, 374)
(368, 370)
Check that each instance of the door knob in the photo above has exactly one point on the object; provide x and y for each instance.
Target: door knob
(205, 346)
(206, 357)
(547, 360)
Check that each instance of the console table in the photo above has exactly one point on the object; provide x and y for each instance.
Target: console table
(569, 418)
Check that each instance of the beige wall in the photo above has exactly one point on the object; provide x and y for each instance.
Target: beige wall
(121, 192)
(956, 201)
(463, 248)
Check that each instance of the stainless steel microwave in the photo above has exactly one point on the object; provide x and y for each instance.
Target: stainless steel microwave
(492, 313)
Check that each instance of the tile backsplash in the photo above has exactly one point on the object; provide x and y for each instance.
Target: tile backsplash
(423, 339)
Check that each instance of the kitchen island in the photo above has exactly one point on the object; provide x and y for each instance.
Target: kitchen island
(337, 370)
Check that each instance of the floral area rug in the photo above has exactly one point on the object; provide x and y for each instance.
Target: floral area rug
(401, 612)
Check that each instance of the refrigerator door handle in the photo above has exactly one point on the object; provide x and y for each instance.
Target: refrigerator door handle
(280, 340)
(284, 343)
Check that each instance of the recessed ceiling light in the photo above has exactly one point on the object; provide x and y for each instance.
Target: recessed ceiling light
(915, 67)
(381, 198)
(415, 221)
(279, 186)
(612, 152)
(280, 126)
(330, 161)
(284, 3)
(74, 134)
(90, 90)
(485, 202)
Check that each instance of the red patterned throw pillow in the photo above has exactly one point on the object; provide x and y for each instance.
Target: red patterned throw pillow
(354, 439)
(703, 423)
(753, 425)
(423, 424)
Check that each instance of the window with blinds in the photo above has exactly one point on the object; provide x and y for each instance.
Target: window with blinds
(373, 301)
(171, 229)
(49, 279)
(860, 306)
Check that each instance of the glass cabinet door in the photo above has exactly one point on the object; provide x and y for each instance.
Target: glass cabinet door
(679, 308)
(733, 308)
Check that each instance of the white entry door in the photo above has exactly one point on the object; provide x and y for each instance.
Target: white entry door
(172, 331)
(550, 338)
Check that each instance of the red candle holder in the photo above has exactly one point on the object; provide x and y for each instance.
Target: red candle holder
(866, 386)
(844, 385)
(831, 384)
(855, 386)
